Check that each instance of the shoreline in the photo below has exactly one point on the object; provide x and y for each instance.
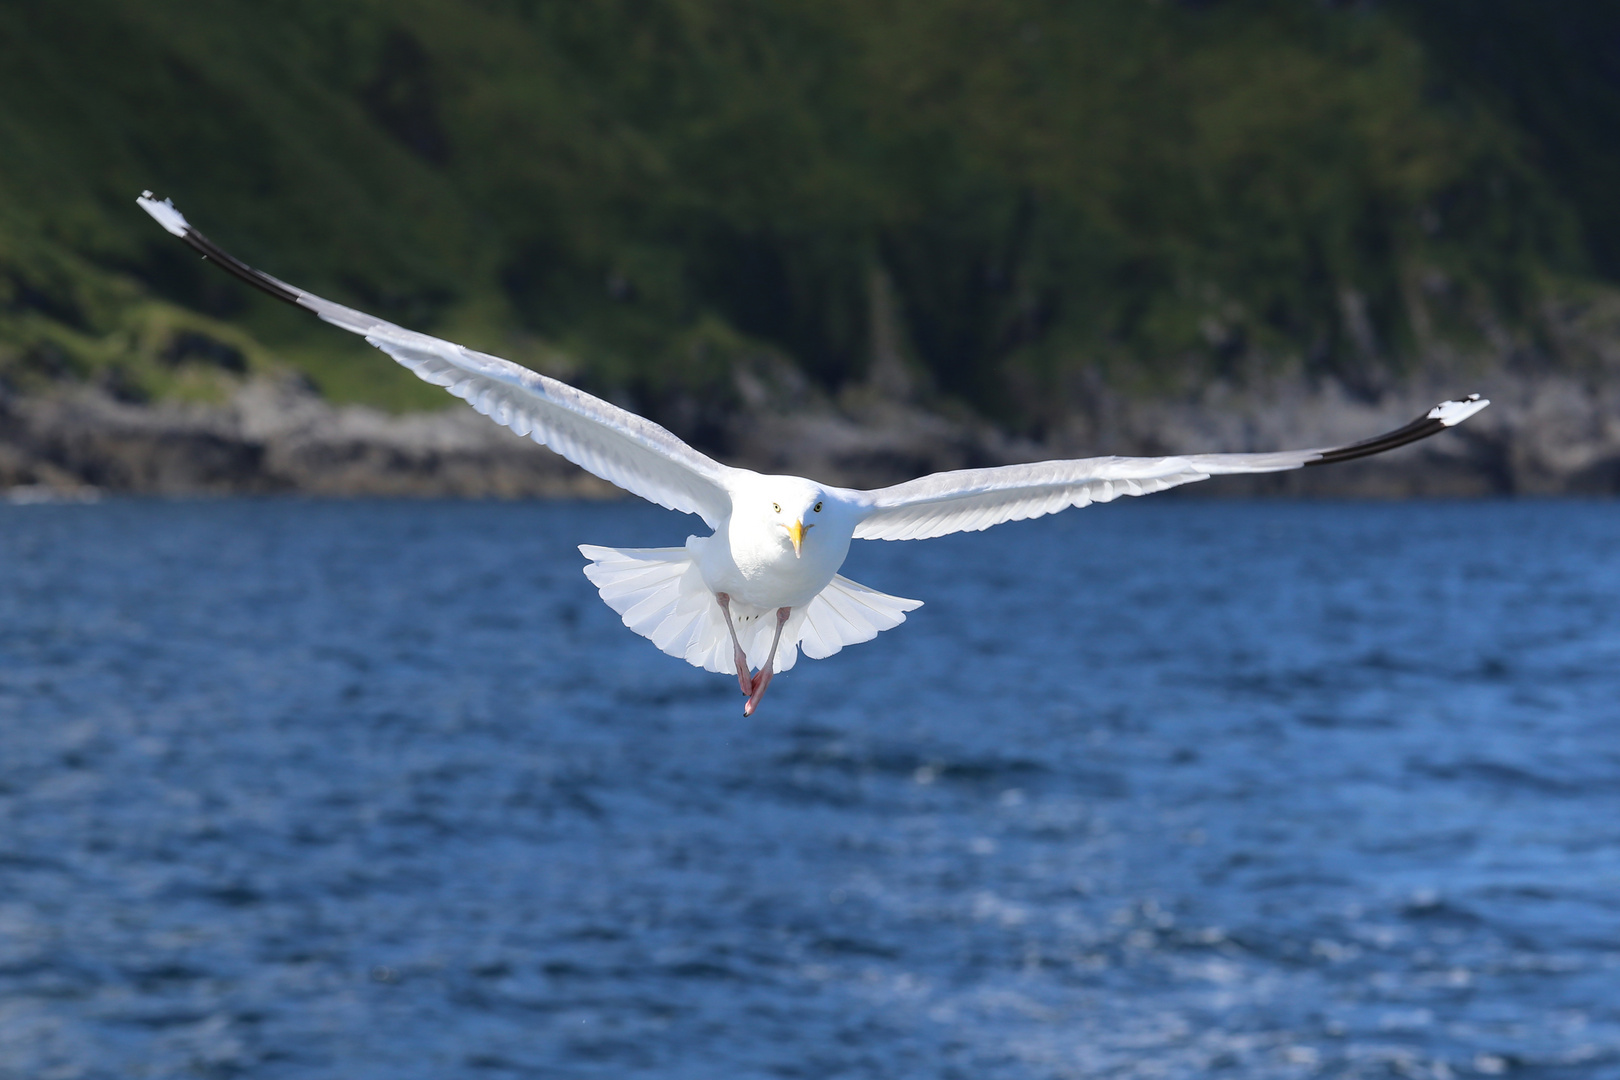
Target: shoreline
(1545, 435)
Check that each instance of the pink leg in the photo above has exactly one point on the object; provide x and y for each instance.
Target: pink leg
(738, 657)
(763, 679)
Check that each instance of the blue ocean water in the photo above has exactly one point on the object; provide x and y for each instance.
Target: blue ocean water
(1166, 788)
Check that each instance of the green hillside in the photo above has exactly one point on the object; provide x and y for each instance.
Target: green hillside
(639, 192)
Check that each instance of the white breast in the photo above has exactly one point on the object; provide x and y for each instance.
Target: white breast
(757, 568)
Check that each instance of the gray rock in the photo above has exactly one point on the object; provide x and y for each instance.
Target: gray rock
(1545, 434)
(274, 436)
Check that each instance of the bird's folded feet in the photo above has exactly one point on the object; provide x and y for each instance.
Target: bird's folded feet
(763, 679)
(757, 691)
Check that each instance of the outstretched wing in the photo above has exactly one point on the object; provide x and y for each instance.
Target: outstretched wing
(972, 499)
(619, 446)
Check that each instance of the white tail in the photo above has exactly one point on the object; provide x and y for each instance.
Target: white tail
(662, 597)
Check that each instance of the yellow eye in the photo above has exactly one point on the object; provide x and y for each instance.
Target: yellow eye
(818, 508)
(777, 507)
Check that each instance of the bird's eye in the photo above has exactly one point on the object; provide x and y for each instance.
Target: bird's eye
(777, 507)
(818, 508)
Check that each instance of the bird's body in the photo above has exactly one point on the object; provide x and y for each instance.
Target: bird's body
(751, 555)
(764, 584)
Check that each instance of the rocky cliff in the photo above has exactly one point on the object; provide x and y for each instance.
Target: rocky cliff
(1556, 434)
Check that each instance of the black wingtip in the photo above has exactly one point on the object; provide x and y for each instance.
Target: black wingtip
(1444, 415)
(171, 219)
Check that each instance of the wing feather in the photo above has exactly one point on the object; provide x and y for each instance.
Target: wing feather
(969, 500)
(617, 445)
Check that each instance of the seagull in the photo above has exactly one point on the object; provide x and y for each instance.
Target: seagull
(764, 585)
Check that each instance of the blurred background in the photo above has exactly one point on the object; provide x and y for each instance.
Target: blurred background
(911, 235)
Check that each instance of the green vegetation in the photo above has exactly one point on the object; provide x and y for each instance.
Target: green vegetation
(638, 193)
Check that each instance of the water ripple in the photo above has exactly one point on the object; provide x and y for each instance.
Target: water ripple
(381, 790)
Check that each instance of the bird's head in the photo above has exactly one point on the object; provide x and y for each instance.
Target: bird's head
(790, 507)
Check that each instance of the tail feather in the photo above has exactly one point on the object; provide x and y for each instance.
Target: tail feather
(848, 613)
(634, 584)
(682, 632)
(661, 595)
(642, 584)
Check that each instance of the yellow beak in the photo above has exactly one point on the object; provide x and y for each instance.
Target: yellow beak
(796, 533)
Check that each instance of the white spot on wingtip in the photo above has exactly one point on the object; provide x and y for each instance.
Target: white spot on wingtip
(164, 213)
(1451, 413)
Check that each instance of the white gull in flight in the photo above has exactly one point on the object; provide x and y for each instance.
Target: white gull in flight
(765, 584)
